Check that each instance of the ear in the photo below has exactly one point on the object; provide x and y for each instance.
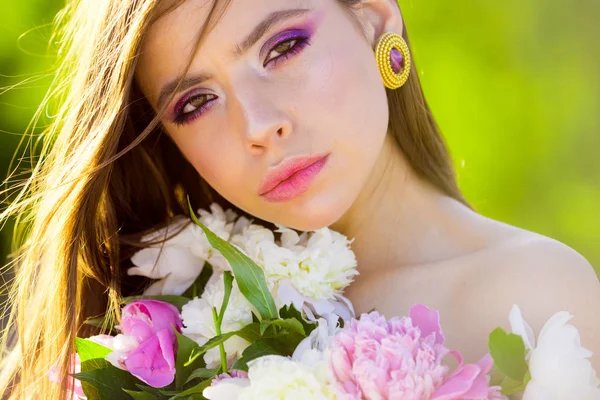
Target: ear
(378, 17)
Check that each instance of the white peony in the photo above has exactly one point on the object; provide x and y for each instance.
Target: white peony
(276, 377)
(258, 243)
(120, 346)
(227, 386)
(173, 265)
(315, 347)
(199, 324)
(177, 261)
(309, 271)
(319, 265)
(286, 293)
(560, 367)
(327, 265)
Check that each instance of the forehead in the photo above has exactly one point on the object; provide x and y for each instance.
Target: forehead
(169, 41)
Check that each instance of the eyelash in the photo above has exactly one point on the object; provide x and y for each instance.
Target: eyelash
(300, 43)
(181, 118)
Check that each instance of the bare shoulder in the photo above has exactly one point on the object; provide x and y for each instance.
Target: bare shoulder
(542, 276)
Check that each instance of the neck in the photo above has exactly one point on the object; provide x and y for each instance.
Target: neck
(400, 219)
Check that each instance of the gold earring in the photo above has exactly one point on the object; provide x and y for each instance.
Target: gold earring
(393, 59)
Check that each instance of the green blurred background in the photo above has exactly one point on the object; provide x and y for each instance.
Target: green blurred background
(514, 85)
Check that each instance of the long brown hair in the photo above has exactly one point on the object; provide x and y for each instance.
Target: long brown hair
(88, 201)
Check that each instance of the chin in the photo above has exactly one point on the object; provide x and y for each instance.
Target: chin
(316, 212)
(310, 224)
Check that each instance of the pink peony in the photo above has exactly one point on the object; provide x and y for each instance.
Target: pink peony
(153, 361)
(228, 386)
(402, 359)
(233, 374)
(470, 382)
(142, 319)
(151, 323)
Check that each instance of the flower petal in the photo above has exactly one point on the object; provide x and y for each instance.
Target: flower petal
(428, 321)
(153, 362)
(535, 391)
(228, 389)
(459, 384)
(520, 327)
(176, 265)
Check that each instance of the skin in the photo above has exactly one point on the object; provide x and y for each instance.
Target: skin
(413, 244)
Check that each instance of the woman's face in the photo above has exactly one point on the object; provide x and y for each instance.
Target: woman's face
(274, 80)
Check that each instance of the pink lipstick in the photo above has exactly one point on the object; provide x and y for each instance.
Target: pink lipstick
(291, 178)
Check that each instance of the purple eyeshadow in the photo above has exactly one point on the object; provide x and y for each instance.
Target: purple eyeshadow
(282, 37)
(300, 35)
(182, 102)
(177, 118)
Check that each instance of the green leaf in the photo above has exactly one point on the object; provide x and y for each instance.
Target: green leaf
(170, 393)
(511, 386)
(228, 281)
(185, 348)
(249, 276)
(286, 342)
(89, 350)
(222, 354)
(249, 332)
(194, 392)
(508, 352)
(496, 377)
(202, 373)
(177, 301)
(214, 342)
(102, 381)
(240, 365)
(94, 364)
(90, 389)
(289, 324)
(228, 285)
(149, 389)
(139, 395)
(290, 312)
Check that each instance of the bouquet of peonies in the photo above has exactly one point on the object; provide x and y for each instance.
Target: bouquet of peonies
(236, 314)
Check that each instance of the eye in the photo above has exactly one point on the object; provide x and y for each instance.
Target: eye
(286, 49)
(191, 108)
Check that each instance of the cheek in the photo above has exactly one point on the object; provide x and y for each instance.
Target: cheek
(345, 95)
(213, 158)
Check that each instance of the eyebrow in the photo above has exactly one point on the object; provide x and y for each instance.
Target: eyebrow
(258, 32)
(262, 28)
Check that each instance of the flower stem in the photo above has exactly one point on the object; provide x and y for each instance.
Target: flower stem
(222, 345)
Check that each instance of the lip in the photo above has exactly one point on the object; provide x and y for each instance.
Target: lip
(292, 177)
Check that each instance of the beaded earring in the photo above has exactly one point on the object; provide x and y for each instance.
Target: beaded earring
(393, 59)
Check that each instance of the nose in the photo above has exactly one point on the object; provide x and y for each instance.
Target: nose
(263, 121)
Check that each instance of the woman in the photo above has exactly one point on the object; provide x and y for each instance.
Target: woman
(161, 100)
